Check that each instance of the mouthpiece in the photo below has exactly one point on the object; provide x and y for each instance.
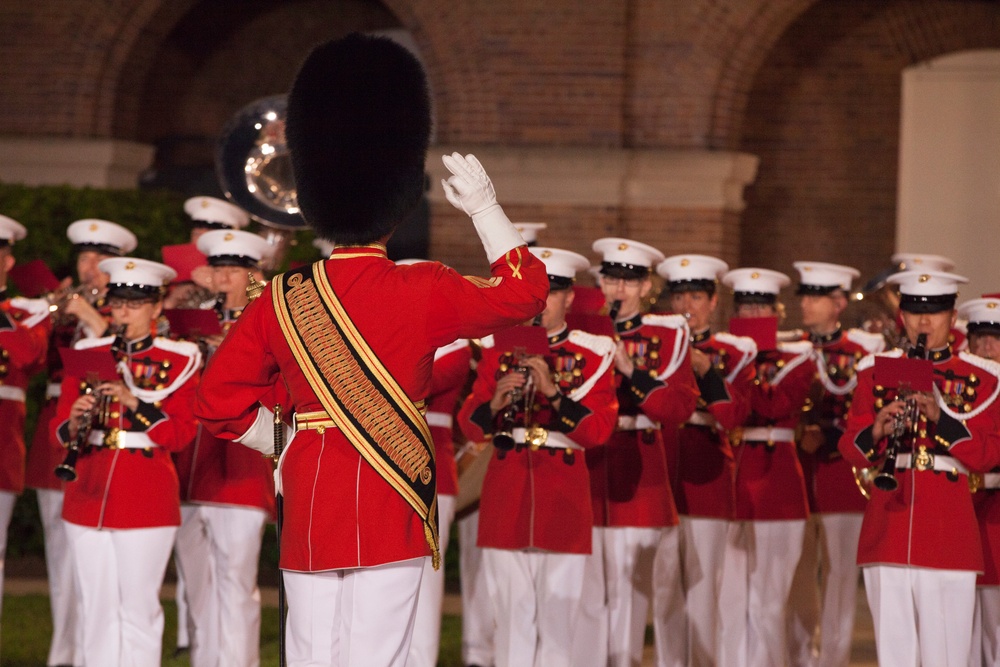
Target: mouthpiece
(616, 305)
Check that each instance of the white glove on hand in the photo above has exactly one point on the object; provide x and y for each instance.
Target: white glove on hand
(260, 435)
(469, 189)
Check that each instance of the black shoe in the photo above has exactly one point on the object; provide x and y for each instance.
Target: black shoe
(181, 650)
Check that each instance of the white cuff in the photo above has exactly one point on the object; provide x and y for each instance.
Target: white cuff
(260, 436)
(496, 232)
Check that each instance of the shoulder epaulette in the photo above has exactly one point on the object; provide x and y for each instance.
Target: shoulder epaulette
(87, 343)
(601, 345)
(182, 347)
(991, 367)
(37, 309)
(744, 344)
(795, 346)
(790, 335)
(803, 351)
(486, 342)
(665, 321)
(872, 342)
(869, 360)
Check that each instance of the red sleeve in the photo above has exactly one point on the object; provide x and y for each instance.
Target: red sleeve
(28, 346)
(450, 371)
(856, 443)
(674, 402)
(477, 403)
(602, 404)
(177, 431)
(784, 400)
(734, 412)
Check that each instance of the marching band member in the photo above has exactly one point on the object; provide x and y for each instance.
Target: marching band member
(123, 510)
(227, 494)
(634, 514)
(353, 340)
(983, 317)
(93, 241)
(765, 540)
(920, 548)
(826, 580)
(535, 511)
(701, 459)
(24, 331)
(448, 377)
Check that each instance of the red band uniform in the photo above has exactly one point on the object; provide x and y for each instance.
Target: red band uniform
(123, 509)
(920, 548)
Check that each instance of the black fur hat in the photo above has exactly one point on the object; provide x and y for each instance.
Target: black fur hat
(358, 125)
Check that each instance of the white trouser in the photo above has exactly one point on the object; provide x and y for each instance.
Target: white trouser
(535, 599)
(669, 620)
(184, 621)
(196, 568)
(922, 616)
(590, 644)
(120, 573)
(703, 549)
(986, 628)
(628, 566)
(7, 500)
(761, 557)
(235, 535)
(478, 622)
(803, 600)
(63, 598)
(352, 618)
(427, 627)
(838, 553)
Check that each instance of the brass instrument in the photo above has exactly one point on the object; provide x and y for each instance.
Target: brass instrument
(57, 299)
(503, 437)
(904, 427)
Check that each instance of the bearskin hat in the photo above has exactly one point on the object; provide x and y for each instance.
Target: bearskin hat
(358, 125)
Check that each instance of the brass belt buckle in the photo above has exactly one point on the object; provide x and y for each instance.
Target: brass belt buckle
(536, 437)
(924, 460)
(113, 438)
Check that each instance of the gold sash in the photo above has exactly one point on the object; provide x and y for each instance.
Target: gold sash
(357, 391)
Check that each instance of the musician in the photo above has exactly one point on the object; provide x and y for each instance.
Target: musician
(207, 214)
(634, 513)
(765, 540)
(535, 518)
(359, 503)
(701, 457)
(24, 331)
(123, 510)
(93, 242)
(227, 493)
(983, 317)
(920, 548)
(825, 584)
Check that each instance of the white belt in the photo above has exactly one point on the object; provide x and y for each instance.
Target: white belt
(53, 390)
(126, 440)
(991, 480)
(636, 423)
(939, 462)
(555, 439)
(699, 418)
(11, 393)
(766, 434)
(439, 419)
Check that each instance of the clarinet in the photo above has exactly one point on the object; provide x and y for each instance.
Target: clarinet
(886, 479)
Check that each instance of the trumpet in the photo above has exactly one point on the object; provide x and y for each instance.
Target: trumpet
(904, 427)
(57, 299)
(96, 416)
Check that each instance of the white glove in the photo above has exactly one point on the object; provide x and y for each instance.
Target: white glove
(260, 435)
(469, 189)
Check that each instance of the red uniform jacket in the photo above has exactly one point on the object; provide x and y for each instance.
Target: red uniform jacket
(215, 471)
(703, 477)
(629, 482)
(830, 480)
(24, 333)
(448, 378)
(987, 506)
(339, 512)
(46, 452)
(134, 488)
(769, 481)
(928, 521)
(541, 499)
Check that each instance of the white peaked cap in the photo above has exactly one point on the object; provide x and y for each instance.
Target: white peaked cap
(234, 243)
(561, 263)
(624, 251)
(978, 311)
(219, 211)
(134, 272)
(756, 281)
(913, 261)
(11, 230)
(927, 283)
(823, 275)
(325, 247)
(529, 230)
(682, 268)
(91, 231)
